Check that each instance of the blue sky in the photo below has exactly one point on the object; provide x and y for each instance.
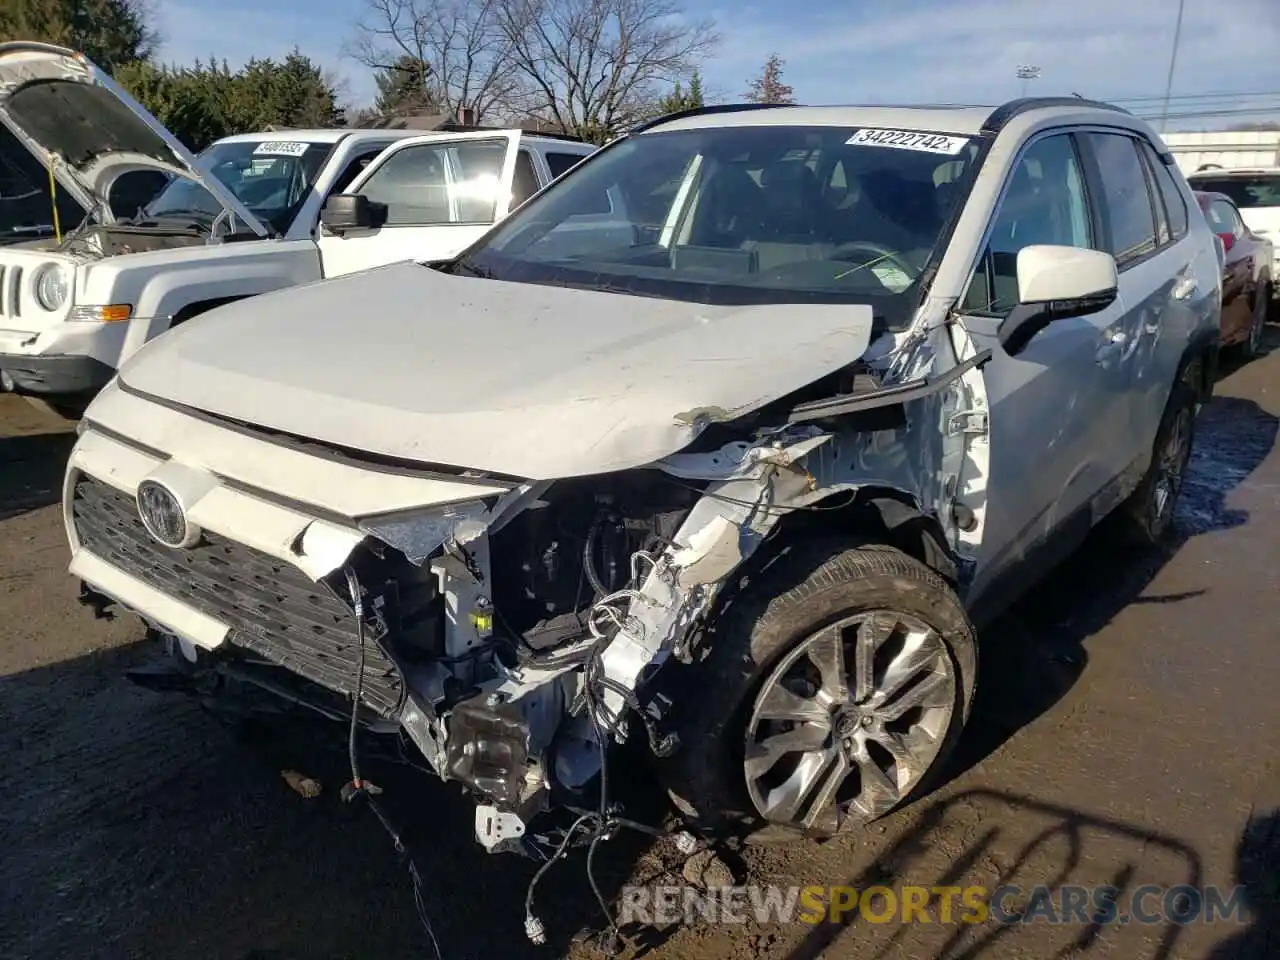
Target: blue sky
(848, 51)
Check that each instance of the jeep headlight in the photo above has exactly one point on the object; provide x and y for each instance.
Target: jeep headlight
(53, 286)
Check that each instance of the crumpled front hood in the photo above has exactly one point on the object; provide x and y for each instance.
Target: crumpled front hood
(526, 380)
(69, 113)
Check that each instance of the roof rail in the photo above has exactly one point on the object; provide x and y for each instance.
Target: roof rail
(1001, 115)
(700, 111)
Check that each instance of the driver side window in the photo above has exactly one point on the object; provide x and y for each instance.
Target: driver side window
(1044, 203)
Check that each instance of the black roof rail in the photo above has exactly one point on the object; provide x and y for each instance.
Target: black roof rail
(700, 111)
(1001, 115)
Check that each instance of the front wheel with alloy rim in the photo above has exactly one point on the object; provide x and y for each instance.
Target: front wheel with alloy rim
(837, 682)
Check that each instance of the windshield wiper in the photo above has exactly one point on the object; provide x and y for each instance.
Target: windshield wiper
(461, 266)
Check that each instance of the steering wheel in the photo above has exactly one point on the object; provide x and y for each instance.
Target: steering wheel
(882, 254)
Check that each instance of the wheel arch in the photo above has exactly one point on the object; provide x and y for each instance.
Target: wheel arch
(871, 514)
(203, 306)
(1199, 363)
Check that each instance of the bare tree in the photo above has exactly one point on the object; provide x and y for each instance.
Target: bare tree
(597, 66)
(768, 87)
(462, 43)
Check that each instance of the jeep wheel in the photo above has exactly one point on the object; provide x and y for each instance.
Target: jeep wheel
(836, 685)
(1149, 511)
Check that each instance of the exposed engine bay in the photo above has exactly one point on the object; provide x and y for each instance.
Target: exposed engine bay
(122, 238)
(503, 695)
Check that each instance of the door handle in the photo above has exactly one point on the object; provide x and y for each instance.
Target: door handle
(1184, 288)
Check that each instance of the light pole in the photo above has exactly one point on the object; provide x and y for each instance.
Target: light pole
(1173, 62)
(1026, 73)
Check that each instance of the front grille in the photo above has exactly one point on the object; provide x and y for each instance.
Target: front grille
(272, 607)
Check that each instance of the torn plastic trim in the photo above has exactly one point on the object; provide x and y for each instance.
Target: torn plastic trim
(723, 529)
(897, 395)
(419, 532)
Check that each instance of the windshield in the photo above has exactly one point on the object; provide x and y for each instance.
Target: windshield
(742, 215)
(270, 177)
(1246, 191)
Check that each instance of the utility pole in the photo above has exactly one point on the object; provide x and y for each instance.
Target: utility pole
(1173, 62)
(1026, 73)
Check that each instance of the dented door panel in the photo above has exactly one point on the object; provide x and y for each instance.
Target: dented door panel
(1049, 409)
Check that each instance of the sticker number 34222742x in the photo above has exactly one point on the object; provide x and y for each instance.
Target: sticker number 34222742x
(909, 140)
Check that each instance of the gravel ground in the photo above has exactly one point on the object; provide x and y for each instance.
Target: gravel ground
(1126, 731)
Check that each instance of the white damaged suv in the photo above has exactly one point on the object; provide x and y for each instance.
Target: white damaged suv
(724, 442)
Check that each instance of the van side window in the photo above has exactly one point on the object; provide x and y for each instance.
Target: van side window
(1043, 202)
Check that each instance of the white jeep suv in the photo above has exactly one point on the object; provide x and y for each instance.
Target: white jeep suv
(724, 442)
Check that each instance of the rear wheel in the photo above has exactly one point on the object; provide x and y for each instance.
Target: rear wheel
(835, 688)
(1251, 345)
(1149, 511)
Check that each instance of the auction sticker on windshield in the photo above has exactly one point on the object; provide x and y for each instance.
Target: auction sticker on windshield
(909, 140)
(280, 148)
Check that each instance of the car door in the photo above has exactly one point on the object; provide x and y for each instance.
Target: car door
(440, 193)
(1187, 284)
(1158, 289)
(1237, 274)
(1050, 407)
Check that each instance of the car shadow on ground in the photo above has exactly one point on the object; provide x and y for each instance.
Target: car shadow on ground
(31, 470)
(1257, 871)
(1026, 844)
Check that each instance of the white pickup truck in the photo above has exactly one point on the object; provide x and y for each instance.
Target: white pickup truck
(252, 214)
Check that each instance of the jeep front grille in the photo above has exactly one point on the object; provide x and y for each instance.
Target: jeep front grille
(272, 607)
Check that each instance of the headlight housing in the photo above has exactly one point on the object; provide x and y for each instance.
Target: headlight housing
(52, 286)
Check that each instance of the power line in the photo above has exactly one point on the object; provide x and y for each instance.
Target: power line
(1225, 95)
(1215, 114)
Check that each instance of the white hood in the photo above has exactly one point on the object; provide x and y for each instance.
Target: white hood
(531, 381)
(71, 115)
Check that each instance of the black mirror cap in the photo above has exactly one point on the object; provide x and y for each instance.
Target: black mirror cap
(351, 211)
(1027, 319)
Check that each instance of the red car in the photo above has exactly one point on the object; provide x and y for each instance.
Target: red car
(1246, 278)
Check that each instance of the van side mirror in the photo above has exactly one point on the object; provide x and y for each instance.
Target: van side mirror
(351, 211)
(1054, 283)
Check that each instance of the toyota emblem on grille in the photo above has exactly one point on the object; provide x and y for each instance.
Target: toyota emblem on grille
(163, 516)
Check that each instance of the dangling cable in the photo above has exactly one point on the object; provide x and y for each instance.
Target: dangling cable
(359, 787)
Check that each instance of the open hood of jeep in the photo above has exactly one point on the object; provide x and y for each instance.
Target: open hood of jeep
(530, 381)
(70, 114)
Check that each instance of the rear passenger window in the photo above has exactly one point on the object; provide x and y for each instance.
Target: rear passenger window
(1044, 202)
(1224, 219)
(1175, 207)
(562, 163)
(1126, 202)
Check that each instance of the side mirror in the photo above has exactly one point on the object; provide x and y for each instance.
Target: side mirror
(1228, 241)
(351, 211)
(1055, 283)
